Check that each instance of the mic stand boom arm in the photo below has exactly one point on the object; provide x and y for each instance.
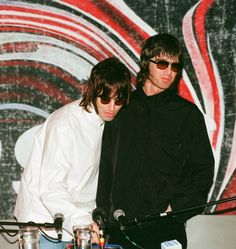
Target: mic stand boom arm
(22, 224)
(201, 206)
(172, 213)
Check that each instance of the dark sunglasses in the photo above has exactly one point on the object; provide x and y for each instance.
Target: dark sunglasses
(107, 100)
(163, 64)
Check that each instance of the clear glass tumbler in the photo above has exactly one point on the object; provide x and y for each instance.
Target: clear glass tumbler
(28, 238)
(83, 236)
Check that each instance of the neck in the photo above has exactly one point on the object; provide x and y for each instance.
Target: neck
(150, 89)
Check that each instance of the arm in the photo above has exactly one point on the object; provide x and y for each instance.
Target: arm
(57, 165)
(196, 176)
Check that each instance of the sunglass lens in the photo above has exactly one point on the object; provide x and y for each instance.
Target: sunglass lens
(162, 64)
(105, 101)
(175, 67)
(120, 102)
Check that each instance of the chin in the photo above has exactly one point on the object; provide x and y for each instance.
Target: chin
(108, 119)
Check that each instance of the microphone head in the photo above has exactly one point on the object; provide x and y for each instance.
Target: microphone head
(118, 213)
(58, 220)
(98, 212)
(58, 216)
(99, 216)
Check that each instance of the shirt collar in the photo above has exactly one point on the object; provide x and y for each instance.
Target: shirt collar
(95, 116)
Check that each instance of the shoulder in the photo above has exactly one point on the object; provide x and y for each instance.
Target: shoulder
(184, 103)
(62, 116)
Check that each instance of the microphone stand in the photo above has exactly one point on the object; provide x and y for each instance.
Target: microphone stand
(14, 232)
(147, 218)
(203, 205)
(23, 224)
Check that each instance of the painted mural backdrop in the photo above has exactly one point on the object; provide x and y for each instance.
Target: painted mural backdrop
(47, 49)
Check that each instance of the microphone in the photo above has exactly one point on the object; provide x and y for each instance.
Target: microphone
(99, 216)
(58, 220)
(119, 216)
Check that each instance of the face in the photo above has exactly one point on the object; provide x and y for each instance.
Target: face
(161, 75)
(108, 108)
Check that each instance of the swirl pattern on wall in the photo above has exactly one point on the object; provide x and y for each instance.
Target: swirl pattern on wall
(47, 49)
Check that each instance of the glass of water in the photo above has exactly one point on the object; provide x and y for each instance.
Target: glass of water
(83, 236)
(28, 238)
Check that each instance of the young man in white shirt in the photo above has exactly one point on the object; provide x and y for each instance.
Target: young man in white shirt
(62, 172)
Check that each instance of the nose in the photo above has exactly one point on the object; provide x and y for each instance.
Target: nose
(169, 69)
(111, 105)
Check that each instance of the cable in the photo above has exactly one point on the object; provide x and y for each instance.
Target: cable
(49, 238)
(131, 241)
(30, 223)
(8, 233)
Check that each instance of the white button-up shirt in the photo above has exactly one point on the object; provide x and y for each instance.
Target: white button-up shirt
(62, 172)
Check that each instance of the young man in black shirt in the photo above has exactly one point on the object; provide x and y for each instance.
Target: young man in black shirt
(156, 154)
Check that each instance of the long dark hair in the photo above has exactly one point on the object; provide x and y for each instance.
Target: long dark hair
(160, 44)
(108, 76)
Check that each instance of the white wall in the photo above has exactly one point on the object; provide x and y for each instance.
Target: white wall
(212, 232)
(204, 232)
